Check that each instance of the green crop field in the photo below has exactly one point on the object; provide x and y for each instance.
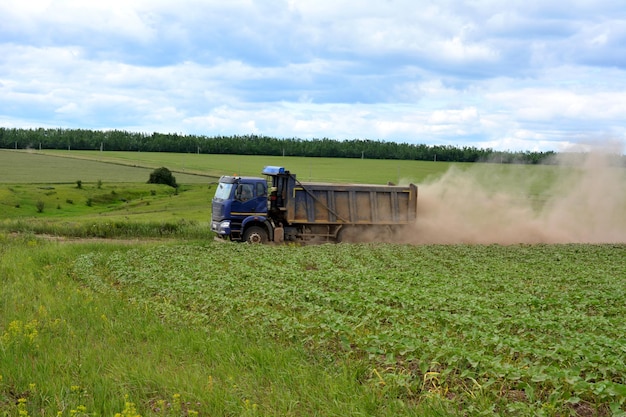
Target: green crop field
(26, 167)
(185, 326)
(523, 329)
(134, 166)
(230, 329)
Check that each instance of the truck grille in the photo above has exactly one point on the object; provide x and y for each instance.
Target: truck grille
(217, 211)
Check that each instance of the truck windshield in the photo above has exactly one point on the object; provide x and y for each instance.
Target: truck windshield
(223, 191)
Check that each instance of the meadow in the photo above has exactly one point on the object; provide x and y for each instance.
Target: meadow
(182, 325)
(39, 166)
(39, 191)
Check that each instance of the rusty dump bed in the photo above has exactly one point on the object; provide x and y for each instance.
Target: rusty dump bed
(322, 203)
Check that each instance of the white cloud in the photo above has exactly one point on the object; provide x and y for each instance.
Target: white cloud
(513, 75)
(459, 50)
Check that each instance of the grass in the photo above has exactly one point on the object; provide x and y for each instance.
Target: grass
(343, 170)
(40, 192)
(91, 166)
(82, 197)
(106, 210)
(186, 325)
(27, 167)
(226, 329)
(69, 348)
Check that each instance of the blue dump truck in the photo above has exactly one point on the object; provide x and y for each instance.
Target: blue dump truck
(281, 208)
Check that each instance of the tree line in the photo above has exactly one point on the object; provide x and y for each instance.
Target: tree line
(119, 140)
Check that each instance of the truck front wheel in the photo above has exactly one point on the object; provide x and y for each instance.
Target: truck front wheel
(255, 234)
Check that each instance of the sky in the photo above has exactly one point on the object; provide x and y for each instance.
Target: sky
(515, 75)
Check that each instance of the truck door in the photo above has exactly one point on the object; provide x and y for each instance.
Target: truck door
(250, 199)
(261, 197)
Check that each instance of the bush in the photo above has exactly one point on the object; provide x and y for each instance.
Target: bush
(162, 176)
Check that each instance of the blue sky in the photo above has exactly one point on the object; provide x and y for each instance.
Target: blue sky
(509, 75)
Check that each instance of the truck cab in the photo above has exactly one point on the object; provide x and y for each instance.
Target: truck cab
(239, 209)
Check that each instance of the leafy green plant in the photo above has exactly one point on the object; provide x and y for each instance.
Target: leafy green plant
(533, 328)
(89, 351)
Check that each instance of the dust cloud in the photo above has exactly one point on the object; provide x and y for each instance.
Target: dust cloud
(579, 198)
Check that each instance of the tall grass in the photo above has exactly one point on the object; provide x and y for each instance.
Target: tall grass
(107, 211)
(121, 229)
(69, 350)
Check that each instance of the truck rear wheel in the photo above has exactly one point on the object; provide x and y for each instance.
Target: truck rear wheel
(255, 234)
(348, 234)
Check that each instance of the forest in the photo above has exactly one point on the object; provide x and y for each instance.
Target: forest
(119, 140)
